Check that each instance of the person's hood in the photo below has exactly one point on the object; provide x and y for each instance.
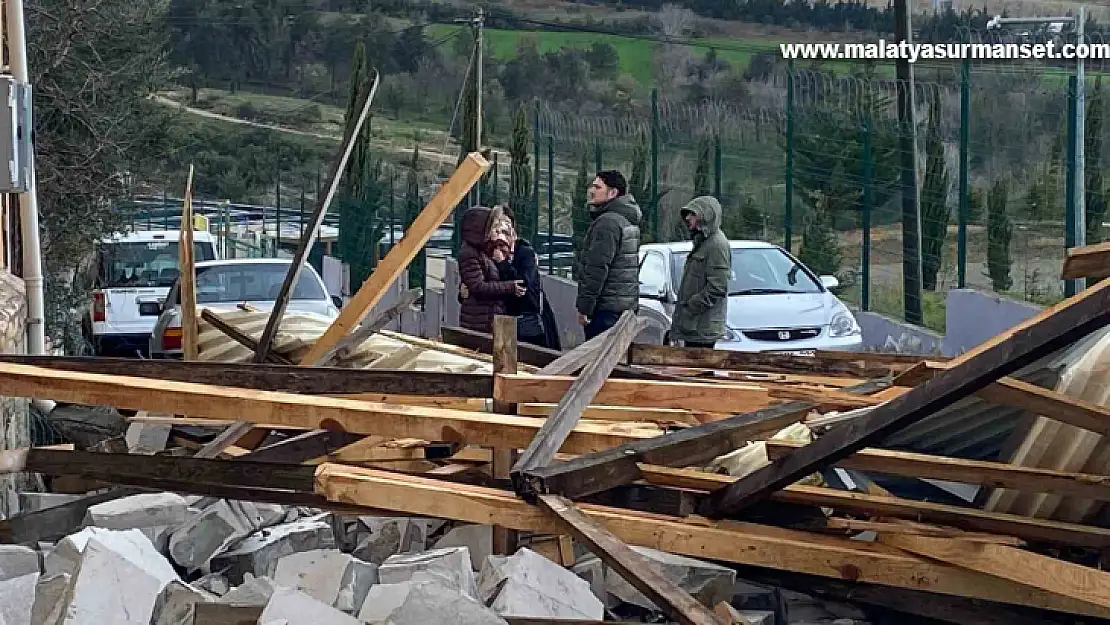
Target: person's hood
(474, 226)
(708, 211)
(623, 205)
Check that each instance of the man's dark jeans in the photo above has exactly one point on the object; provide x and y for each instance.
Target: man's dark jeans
(600, 322)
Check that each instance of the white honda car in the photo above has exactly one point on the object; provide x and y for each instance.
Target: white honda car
(775, 303)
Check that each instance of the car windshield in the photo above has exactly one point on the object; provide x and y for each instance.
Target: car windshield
(759, 271)
(143, 263)
(247, 282)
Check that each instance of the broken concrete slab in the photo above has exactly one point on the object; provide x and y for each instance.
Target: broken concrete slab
(529, 585)
(175, 604)
(478, 539)
(216, 527)
(297, 607)
(328, 575)
(383, 537)
(214, 584)
(33, 502)
(17, 599)
(116, 583)
(147, 438)
(50, 593)
(253, 591)
(451, 563)
(424, 599)
(708, 583)
(138, 511)
(259, 553)
(17, 561)
(132, 544)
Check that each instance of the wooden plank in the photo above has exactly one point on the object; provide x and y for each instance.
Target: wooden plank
(240, 337)
(308, 234)
(636, 569)
(727, 398)
(992, 474)
(282, 378)
(538, 356)
(1043, 401)
(1088, 261)
(663, 355)
(972, 519)
(900, 526)
(728, 541)
(543, 446)
(1048, 331)
(187, 275)
(304, 446)
(1079, 582)
(299, 411)
(618, 413)
(570, 362)
(466, 175)
(225, 439)
(504, 361)
(368, 328)
(607, 469)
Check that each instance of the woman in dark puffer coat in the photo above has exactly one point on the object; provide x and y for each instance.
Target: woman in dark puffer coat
(478, 271)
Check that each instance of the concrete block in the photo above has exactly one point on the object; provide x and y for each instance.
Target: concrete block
(708, 583)
(50, 594)
(253, 591)
(452, 564)
(328, 575)
(116, 586)
(259, 553)
(297, 607)
(423, 600)
(478, 539)
(147, 438)
(132, 544)
(17, 599)
(17, 561)
(175, 604)
(592, 570)
(139, 511)
(529, 585)
(383, 537)
(216, 528)
(213, 583)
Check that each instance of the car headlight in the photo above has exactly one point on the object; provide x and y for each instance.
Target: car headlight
(732, 335)
(843, 324)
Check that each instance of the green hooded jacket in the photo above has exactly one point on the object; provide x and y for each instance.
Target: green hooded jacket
(702, 305)
(608, 266)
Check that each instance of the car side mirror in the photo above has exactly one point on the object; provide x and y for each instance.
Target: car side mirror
(338, 301)
(652, 292)
(830, 282)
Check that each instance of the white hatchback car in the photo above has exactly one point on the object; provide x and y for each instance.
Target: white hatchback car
(775, 303)
(224, 284)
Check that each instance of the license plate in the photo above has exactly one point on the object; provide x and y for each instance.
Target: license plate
(809, 353)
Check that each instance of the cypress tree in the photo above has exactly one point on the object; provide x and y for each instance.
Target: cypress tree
(520, 178)
(579, 211)
(1094, 190)
(935, 211)
(999, 231)
(701, 172)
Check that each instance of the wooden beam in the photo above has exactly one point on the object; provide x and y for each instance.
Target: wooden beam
(727, 398)
(991, 474)
(539, 356)
(618, 413)
(187, 279)
(1078, 582)
(636, 569)
(541, 449)
(1052, 329)
(858, 365)
(504, 361)
(570, 362)
(607, 469)
(466, 175)
(269, 377)
(728, 541)
(310, 230)
(1088, 261)
(972, 519)
(299, 411)
(368, 328)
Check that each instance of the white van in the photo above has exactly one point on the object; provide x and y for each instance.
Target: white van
(133, 275)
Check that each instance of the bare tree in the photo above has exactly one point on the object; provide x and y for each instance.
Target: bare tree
(673, 59)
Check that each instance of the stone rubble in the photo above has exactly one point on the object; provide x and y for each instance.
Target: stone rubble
(150, 559)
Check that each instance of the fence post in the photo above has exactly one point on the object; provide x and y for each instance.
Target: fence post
(277, 216)
(597, 153)
(495, 181)
(788, 212)
(865, 252)
(655, 166)
(718, 167)
(1071, 287)
(536, 166)
(550, 205)
(392, 209)
(965, 167)
(165, 210)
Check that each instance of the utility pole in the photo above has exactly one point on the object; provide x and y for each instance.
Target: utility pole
(907, 142)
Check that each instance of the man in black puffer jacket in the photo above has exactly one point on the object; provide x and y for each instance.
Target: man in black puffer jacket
(608, 265)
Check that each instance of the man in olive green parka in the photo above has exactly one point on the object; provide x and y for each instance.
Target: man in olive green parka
(699, 315)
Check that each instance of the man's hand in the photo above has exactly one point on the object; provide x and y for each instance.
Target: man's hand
(582, 320)
(520, 288)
